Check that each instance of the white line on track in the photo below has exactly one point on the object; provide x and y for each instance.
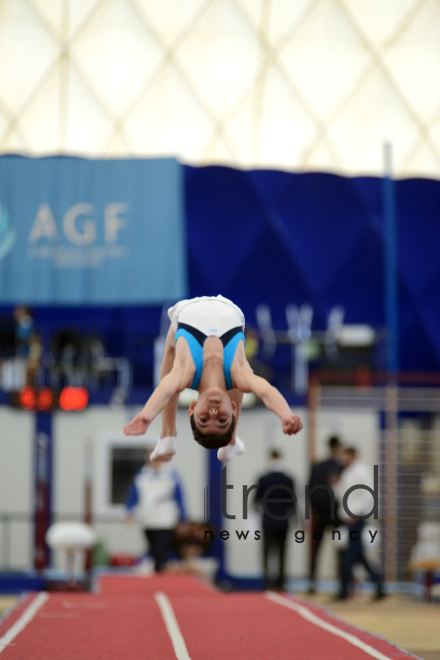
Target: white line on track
(23, 621)
(172, 626)
(313, 618)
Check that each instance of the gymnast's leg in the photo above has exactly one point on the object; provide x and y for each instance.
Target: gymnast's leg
(166, 445)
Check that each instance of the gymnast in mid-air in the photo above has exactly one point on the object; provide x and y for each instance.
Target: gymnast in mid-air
(205, 350)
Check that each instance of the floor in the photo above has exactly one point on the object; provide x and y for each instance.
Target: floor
(6, 602)
(402, 619)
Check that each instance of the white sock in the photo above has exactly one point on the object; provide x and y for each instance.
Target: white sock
(226, 453)
(164, 450)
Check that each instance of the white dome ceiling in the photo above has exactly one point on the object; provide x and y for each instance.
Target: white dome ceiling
(286, 84)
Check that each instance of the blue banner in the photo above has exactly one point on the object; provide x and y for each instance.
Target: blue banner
(78, 231)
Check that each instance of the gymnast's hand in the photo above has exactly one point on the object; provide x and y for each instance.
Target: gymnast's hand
(138, 425)
(291, 424)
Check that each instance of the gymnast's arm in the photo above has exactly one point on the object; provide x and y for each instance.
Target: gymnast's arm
(168, 387)
(170, 411)
(175, 376)
(247, 381)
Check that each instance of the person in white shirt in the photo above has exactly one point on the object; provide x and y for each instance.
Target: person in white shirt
(358, 503)
(155, 500)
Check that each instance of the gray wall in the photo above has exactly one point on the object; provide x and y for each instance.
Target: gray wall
(75, 434)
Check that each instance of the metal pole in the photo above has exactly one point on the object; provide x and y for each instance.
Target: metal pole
(392, 392)
(300, 375)
(391, 482)
(88, 512)
(5, 562)
(391, 269)
(313, 400)
(43, 488)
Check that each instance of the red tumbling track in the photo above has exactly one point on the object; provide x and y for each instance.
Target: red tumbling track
(125, 620)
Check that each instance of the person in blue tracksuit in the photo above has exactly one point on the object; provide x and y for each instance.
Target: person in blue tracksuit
(155, 499)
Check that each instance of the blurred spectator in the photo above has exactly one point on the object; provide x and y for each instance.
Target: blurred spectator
(275, 531)
(360, 503)
(64, 359)
(24, 328)
(8, 336)
(23, 351)
(252, 349)
(156, 499)
(193, 551)
(34, 358)
(8, 347)
(324, 473)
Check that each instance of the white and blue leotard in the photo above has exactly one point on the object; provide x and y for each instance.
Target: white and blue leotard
(199, 318)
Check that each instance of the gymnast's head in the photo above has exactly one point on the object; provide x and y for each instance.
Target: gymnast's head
(213, 417)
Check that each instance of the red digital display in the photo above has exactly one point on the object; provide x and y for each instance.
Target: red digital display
(74, 398)
(45, 399)
(28, 398)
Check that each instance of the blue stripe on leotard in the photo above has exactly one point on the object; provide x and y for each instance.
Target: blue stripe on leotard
(228, 357)
(196, 349)
(196, 353)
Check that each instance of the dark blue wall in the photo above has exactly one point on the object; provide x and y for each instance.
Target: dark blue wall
(275, 237)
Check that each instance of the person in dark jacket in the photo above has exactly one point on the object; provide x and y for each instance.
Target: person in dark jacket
(276, 517)
(324, 473)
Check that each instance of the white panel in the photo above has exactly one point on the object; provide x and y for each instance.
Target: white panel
(73, 433)
(41, 120)
(52, 12)
(16, 434)
(89, 121)
(286, 17)
(26, 52)
(376, 114)
(218, 151)
(14, 140)
(414, 64)
(221, 58)
(242, 126)
(257, 12)
(159, 124)
(414, 68)
(128, 54)
(323, 156)
(286, 125)
(325, 59)
(16, 485)
(3, 124)
(171, 19)
(380, 20)
(424, 160)
(116, 145)
(80, 11)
